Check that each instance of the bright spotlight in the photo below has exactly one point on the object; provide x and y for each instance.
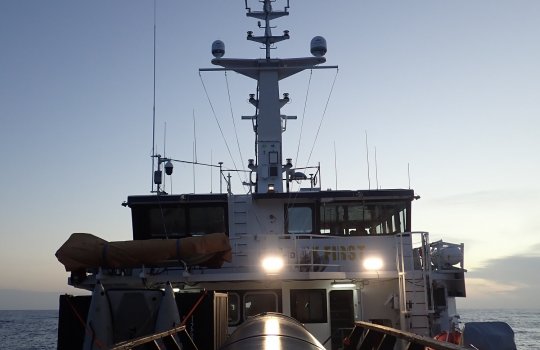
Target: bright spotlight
(272, 264)
(373, 264)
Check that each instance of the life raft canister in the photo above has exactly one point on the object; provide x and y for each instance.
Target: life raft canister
(453, 337)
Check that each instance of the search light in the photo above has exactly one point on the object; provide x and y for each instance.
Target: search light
(272, 264)
(373, 263)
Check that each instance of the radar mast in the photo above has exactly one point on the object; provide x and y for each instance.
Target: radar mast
(268, 122)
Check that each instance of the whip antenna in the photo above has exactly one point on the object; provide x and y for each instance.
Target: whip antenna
(194, 150)
(376, 170)
(335, 162)
(154, 104)
(409, 175)
(367, 161)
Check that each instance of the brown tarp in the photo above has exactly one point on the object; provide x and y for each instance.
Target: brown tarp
(83, 250)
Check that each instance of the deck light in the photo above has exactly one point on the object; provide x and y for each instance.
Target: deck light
(272, 264)
(373, 263)
(343, 284)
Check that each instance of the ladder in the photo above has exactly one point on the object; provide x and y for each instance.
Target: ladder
(414, 271)
(238, 218)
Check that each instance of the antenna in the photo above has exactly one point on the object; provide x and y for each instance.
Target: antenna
(409, 175)
(211, 174)
(164, 146)
(154, 104)
(376, 169)
(367, 161)
(194, 150)
(335, 162)
(164, 138)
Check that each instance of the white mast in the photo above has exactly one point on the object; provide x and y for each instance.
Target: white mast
(268, 120)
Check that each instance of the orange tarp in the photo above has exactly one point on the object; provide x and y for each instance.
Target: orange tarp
(83, 250)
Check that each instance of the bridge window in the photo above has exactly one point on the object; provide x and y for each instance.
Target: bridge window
(165, 221)
(309, 305)
(358, 219)
(259, 302)
(203, 220)
(299, 220)
(178, 220)
(234, 309)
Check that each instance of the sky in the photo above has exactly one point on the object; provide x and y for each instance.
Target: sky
(447, 92)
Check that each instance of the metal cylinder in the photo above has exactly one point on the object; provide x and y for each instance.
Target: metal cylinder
(271, 331)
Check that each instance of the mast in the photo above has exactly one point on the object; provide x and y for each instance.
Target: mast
(268, 121)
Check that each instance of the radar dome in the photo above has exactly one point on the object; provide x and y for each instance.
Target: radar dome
(218, 48)
(318, 46)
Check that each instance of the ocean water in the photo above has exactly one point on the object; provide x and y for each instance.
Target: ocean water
(37, 330)
(28, 330)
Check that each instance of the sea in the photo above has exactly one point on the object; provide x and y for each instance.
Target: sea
(37, 329)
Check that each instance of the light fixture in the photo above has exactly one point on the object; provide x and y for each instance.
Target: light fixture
(169, 167)
(343, 284)
(272, 264)
(288, 165)
(373, 263)
(251, 164)
(271, 188)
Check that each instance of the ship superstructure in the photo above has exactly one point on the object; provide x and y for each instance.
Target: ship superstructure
(323, 257)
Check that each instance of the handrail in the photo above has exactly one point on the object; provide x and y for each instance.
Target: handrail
(366, 335)
(166, 336)
(130, 344)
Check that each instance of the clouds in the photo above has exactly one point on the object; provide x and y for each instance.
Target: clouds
(509, 282)
(493, 223)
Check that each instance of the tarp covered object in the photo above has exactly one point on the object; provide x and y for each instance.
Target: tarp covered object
(84, 250)
(488, 336)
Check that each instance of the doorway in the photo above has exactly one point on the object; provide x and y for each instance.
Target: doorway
(341, 316)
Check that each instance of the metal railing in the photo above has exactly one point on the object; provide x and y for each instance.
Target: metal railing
(176, 338)
(370, 336)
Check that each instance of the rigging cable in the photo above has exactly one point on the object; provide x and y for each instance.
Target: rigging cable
(234, 123)
(219, 126)
(316, 135)
(322, 118)
(303, 116)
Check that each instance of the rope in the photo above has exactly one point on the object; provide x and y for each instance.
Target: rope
(88, 329)
(219, 126)
(234, 123)
(291, 196)
(322, 118)
(195, 306)
(303, 116)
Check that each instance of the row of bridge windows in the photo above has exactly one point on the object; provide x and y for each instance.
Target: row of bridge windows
(337, 219)
(348, 219)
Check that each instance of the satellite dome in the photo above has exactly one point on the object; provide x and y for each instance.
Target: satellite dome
(218, 48)
(318, 46)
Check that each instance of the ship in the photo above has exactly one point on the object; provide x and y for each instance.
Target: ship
(311, 264)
